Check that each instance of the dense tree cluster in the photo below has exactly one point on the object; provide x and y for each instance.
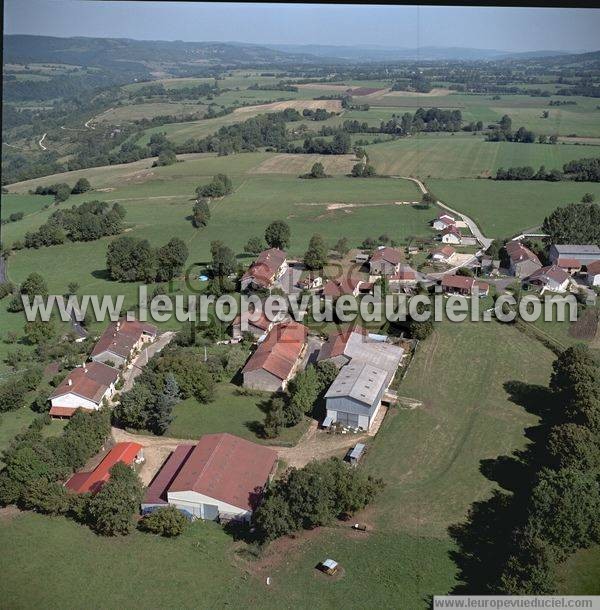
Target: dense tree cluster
(528, 173)
(87, 222)
(511, 544)
(502, 132)
(129, 259)
(583, 170)
(219, 186)
(314, 495)
(576, 223)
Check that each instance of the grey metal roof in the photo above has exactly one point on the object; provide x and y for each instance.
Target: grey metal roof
(577, 249)
(358, 380)
(377, 353)
(357, 451)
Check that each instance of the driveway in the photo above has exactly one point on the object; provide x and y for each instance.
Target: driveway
(143, 358)
(289, 280)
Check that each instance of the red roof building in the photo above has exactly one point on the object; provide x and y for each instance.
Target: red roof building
(85, 387)
(347, 285)
(385, 261)
(444, 254)
(275, 360)
(223, 477)
(267, 267)
(120, 339)
(461, 284)
(83, 482)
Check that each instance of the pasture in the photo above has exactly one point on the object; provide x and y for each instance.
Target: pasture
(467, 156)
(505, 208)
(136, 112)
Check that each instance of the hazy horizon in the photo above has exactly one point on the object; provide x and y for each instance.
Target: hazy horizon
(504, 29)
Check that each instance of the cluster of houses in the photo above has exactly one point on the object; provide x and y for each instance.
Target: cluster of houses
(93, 384)
(447, 227)
(567, 263)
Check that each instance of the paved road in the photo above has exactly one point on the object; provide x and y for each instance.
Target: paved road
(475, 230)
(143, 358)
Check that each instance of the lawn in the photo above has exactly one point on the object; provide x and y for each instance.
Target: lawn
(579, 574)
(447, 156)
(135, 112)
(505, 208)
(229, 412)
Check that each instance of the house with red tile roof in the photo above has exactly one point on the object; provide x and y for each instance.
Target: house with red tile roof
(443, 221)
(269, 266)
(277, 358)
(451, 235)
(552, 278)
(84, 482)
(570, 265)
(445, 254)
(461, 284)
(523, 262)
(405, 276)
(255, 322)
(85, 387)
(385, 261)
(122, 340)
(593, 273)
(222, 477)
(346, 285)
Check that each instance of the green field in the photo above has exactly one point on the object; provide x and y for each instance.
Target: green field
(467, 156)
(231, 412)
(135, 112)
(503, 209)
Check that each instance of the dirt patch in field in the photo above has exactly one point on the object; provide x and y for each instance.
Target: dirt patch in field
(331, 105)
(108, 189)
(334, 86)
(139, 176)
(587, 326)
(364, 91)
(435, 92)
(301, 164)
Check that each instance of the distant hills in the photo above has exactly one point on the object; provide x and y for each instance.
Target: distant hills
(381, 53)
(115, 53)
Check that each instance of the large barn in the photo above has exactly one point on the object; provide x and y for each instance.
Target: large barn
(222, 477)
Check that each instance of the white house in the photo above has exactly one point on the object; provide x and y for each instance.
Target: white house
(84, 388)
(222, 477)
(593, 274)
(443, 221)
(451, 235)
(552, 278)
(445, 254)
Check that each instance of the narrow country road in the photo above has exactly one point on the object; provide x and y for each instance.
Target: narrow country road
(41, 142)
(484, 241)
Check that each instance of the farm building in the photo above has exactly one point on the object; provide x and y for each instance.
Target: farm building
(121, 340)
(523, 262)
(570, 265)
(354, 397)
(310, 282)
(253, 322)
(385, 261)
(276, 359)
(593, 273)
(583, 254)
(156, 493)
(222, 477)
(443, 221)
(445, 254)
(460, 284)
(85, 387)
(405, 276)
(552, 278)
(336, 288)
(269, 266)
(355, 345)
(451, 235)
(84, 482)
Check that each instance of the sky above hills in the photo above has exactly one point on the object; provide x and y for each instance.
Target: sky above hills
(506, 29)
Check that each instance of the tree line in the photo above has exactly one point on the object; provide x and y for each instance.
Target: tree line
(580, 170)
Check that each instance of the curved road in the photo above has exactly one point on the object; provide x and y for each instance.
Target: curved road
(484, 241)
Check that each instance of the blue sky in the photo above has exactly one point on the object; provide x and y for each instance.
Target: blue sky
(510, 29)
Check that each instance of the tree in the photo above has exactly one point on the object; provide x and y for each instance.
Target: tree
(588, 198)
(574, 446)
(12, 394)
(220, 186)
(427, 200)
(255, 245)
(133, 407)
(168, 522)
(326, 373)
(274, 418)
(342, 247)
(72, 288)
(277, 235)
(113, 508)
(81, 186)
(38, 331)
(304, 389)
(576, 223)
(167, 157)
(564, 510)
(316, 255)
(160, 413)
(224, 262)
(129, 260)
(273, 518)
(170, 259)
(201, 213)
(61, 192)
(316, 171)
(48, 497)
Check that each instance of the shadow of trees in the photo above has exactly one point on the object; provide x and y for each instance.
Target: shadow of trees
(486, 539)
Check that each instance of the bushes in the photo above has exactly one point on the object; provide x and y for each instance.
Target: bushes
(313, 495)
(220, 186)
(168, 522)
